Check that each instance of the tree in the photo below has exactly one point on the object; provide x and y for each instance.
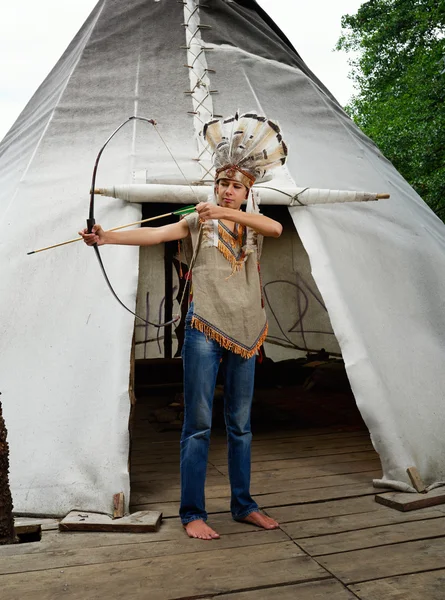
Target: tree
(6, 521)
(400, 80)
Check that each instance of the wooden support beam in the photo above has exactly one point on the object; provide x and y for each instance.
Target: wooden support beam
(405, 502)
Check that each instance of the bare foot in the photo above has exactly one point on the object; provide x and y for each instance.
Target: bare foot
(260, 520)
(200, 530)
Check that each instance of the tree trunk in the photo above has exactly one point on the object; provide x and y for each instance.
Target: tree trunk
(7, 535)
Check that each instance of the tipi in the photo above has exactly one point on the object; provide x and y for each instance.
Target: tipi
(379, 268)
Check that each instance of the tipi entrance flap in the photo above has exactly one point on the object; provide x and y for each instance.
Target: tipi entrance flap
(383, 317)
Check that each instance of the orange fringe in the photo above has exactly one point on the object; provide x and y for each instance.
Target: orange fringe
(226, 342)
(237, 264)
(227, 237)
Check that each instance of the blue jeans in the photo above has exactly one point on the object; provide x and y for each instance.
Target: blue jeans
(202, 358)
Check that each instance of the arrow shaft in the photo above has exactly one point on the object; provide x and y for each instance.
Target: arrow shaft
(114, 229)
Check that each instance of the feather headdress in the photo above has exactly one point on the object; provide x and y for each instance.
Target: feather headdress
(245, 147)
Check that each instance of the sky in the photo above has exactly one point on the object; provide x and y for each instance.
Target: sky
(34, 34)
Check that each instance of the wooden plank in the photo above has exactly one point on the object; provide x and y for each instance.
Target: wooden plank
(261, 482)
(273, 455)
(416, 480)
(219, 440)
(118, 505)
(26, 529)
(146, 481)
(318, 433)
(404, 502)
(170, 530)
(81, 556)
(44, 523)
(173, 494)
(328, 589)
(301, 438)
(149, 475)
(315, 495)
(270, 453)
(373, 537)
(147, 492)
(353, 522)
(143, 494)
(425, 586)
(170, 468)
(317, 510)
(171, 509)
(230, 569)
(217, 505)
(138, 522)
(328, 469)
(396, 559)
(319, 461)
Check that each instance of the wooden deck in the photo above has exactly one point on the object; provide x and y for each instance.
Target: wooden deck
(335, 541)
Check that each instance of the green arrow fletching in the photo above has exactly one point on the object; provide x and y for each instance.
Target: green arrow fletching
(184, 211)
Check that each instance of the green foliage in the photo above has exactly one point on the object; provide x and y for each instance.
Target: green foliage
(400, 80)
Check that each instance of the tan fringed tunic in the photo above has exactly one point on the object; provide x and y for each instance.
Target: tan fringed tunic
(227, 294)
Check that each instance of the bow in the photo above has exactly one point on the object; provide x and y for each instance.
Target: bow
(91, 221)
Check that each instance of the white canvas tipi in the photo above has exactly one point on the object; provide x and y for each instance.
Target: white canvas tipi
(65, 343)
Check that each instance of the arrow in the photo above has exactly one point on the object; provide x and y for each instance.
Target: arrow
(181, 211)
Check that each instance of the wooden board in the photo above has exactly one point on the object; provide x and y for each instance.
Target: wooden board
(324, 509)
(70, 556)
(139, 473)
(163, 492)
(315, 495)
(352, 522)
(319, 461)
(217, 505)
(285, 469)
(171, 509)
(170, 577)
(396, 559)
(119, 505)
(155, 480)
(373, 537)
(31, 524)
(416, 480)
(173, 494)
(422, 586)
(219, 457)
(290, 479)
(139, 522)
(329, 589)
(219, 441)
(170, 530)
(404, 502)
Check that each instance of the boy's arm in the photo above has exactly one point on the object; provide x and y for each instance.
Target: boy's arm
(260, 223)
(144, 236)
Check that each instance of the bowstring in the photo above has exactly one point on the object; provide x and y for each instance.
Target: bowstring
(196, 249)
